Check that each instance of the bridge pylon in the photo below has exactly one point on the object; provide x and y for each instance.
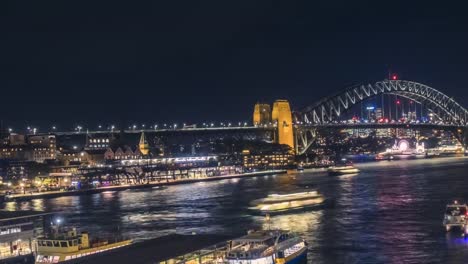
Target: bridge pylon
(282, 115)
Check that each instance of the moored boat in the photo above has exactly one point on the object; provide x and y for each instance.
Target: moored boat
(267, 247)
(66, 244)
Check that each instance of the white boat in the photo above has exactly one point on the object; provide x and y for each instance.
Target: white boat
(339, 170)
(267, 247)
(456, 215)
(278, 203)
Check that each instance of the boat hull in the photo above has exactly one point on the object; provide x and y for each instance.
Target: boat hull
(299, 259)
(324, 204)
(343, 171)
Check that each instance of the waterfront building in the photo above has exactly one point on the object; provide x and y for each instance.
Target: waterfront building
(43, 147)
(72, 156)
(266, 160)
(262, 114)
(9, 152)
(15, 147)
(98, 141)
(13, 170)
(122, 153)
(32, 148)
(96, 156)
(18, 229)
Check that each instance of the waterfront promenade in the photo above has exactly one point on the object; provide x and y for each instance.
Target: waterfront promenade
(53, 194)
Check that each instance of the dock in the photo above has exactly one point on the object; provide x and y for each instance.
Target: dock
(54, 194)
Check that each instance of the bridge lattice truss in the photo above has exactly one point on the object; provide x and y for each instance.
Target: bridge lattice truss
(331, 108)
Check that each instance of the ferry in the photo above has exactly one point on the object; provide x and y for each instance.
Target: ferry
(348, 168)
(66, 245)
(279, 203)
(267, 247)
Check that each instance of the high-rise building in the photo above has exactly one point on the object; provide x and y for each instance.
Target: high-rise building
(378, 113)
(261, 114)
(282, 115)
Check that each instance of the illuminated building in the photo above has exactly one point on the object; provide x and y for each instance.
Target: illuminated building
(385, 132)
(378, 113)
(17, 234)
(143, 145)
(98, 142)
(266, 161)
(71, 156)
(43, 147)
(122, 153)
(14, 170)
(15, 148)
(261, 114)
(283, 116)
(15, 152)
(33, 148)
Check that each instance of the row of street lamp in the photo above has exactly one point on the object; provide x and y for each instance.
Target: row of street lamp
(112, 128)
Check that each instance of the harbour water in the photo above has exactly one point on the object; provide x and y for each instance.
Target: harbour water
(391, 212)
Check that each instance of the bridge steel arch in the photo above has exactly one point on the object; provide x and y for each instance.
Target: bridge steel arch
(330, 108)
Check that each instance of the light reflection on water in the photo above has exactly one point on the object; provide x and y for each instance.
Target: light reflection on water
(391, 212)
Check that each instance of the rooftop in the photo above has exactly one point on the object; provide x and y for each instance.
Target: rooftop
(14, 215)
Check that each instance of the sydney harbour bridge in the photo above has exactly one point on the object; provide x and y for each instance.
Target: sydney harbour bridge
(336, 111)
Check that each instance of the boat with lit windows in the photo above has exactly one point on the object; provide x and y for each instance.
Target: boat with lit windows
(280, 203)
(267, 247)
(347, 168)
(456, 215)
(64, 244)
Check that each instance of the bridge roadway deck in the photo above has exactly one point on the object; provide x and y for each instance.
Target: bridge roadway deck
(168, 130)
(259, 128)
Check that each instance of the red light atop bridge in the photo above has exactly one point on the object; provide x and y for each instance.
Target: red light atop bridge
(394, 77)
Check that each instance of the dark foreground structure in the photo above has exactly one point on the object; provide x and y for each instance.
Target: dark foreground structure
(154, 250)
(17, 233)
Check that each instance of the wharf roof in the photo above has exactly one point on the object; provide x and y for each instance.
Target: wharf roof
(16, 215)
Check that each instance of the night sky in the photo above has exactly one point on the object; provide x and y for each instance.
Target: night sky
(74, 62)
